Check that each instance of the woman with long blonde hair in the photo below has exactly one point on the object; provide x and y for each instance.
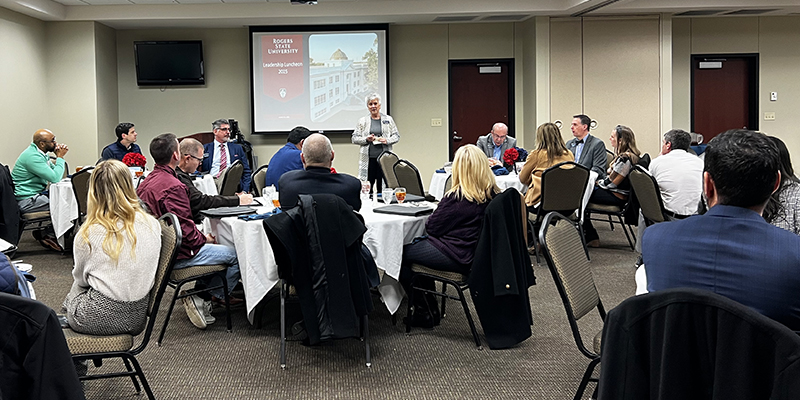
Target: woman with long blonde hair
(616, 187)
(116, 255)
(551, 150)
(452, 230)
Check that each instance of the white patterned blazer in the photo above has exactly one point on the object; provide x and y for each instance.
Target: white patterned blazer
(388, 130)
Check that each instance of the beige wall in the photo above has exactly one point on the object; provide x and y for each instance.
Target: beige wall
(72, 89)
(107, 95)
(23, 79)
(777, 42)
(609, 69)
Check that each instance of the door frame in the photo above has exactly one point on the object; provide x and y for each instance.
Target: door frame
(753, 103)
(511, 105)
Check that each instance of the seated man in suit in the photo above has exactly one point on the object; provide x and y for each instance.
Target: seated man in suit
(589, 151)
(191, 155)
(731, 250)
(495, 143)
(317, 157)
(219, 154)
(288, 157)
(126, 143)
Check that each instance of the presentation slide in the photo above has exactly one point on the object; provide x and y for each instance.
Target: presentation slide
(317, 79)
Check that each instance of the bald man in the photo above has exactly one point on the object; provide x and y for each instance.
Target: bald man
(32, 172)
(496, 142)
(317, 158)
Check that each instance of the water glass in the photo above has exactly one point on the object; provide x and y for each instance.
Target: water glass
(275, 196)
(365, 190)
(267, 192)
(400, 194)
(387, 195)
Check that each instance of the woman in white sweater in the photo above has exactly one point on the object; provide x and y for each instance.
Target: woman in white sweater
(116, 256)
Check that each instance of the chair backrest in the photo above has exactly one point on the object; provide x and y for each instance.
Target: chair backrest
(609, 158)
(644, 160)
(202, 137)
(408, 177)
(171, 238)
(569, 265)
(695, 344)
(80, 188)
(648, 194)
(386, 160)
(563, 186)
(259, 179)
(448, 183)
(231, 178)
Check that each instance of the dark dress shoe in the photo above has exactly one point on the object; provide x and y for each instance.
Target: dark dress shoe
(433, 307)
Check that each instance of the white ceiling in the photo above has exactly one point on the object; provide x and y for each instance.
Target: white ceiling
(133, 14)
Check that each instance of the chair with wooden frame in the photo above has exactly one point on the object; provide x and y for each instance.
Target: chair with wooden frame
(562, 247)
(99, 348)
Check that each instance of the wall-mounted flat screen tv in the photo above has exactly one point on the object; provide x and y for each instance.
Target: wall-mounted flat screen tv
(168, 63)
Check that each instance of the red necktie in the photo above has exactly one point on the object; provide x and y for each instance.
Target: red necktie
(223, 159)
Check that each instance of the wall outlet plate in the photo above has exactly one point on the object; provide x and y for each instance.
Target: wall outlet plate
(436, 122)
(769, 116)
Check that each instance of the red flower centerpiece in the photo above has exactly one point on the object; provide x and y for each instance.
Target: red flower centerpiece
(512, 156)
(134, 160)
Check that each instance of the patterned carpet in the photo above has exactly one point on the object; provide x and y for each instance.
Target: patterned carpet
(428, 364)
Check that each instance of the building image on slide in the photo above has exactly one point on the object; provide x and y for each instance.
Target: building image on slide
(340, 83)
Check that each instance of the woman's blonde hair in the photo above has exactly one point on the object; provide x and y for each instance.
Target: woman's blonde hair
(626, 143)
(549, 138)
(472, 177)
(112, 199)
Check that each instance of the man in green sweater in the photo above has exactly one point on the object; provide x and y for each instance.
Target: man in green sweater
(33, 171)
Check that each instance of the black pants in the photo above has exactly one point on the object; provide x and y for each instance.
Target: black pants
(599, 196)
(375, 175)
(424, 253)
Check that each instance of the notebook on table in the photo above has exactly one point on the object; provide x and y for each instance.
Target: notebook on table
(227, 211)
(402, 210)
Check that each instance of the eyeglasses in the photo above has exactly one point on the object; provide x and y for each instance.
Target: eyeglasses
(225, 129)
(196, 158)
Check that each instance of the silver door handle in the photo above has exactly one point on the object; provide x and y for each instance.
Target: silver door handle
(456, 137)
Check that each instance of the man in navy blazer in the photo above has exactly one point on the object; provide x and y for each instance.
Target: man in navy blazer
(588, 150)
(731, 250)
(211, 154)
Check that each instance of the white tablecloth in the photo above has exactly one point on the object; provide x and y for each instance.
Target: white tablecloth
(436, 189)
(386, 234)
(64, 207)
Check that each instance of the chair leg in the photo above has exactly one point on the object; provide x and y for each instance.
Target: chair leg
(586, 378)
(444, 299)
(583, 239)
(624, 229)
(469, 318)
(410, 310)
(283, 324)
(365, 329)
(611, 224)
(169, 313)
(133, 378)
(140, 373)
(227, 303)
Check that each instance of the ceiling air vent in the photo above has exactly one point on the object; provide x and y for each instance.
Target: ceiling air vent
(695, 13)
(751, 12)
(505, 18)
(455, 18)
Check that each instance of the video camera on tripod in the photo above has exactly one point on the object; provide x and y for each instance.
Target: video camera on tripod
(238, 138)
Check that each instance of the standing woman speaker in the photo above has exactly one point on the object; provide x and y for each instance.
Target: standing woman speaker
(375, 133)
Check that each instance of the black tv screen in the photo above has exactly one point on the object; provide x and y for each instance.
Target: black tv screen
(167, 63)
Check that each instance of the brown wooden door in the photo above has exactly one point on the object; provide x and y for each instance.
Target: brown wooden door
(481, 94)
(724, 98)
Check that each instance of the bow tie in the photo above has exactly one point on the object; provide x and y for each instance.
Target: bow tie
(579, 142)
